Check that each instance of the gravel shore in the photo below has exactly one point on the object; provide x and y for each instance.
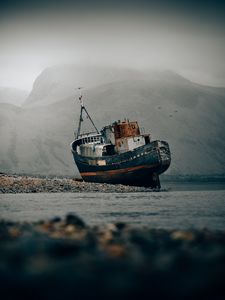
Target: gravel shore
(67, 259)
(28, 184)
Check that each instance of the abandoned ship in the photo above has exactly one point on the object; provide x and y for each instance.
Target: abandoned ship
(119, 154)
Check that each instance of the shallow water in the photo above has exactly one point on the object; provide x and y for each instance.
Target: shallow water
(170, 209)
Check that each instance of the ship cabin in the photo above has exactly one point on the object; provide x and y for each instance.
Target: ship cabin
(117, 138)
(125, 135)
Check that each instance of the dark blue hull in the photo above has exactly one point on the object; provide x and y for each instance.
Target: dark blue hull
(139, 167)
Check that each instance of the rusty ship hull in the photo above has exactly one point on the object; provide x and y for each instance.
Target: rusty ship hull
(140, 167)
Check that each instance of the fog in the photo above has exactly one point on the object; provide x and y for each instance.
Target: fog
(187, 38)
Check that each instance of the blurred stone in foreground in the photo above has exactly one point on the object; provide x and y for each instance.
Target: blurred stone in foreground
(60, 259)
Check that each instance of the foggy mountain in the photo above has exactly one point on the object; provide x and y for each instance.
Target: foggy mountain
(59, 82)
(35, 139)
(12, 95)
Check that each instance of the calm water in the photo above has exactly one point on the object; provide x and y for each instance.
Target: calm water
(192, 208)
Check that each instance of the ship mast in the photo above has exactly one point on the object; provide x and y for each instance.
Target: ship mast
(83, 109)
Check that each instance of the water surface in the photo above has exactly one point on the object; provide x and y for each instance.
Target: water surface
(169, 209)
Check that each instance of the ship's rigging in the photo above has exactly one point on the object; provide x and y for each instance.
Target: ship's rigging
(82, 111)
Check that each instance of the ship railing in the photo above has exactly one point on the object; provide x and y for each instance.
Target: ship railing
(83, 135)
(89, 138)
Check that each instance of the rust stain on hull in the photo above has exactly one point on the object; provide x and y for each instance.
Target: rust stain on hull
(119, 171)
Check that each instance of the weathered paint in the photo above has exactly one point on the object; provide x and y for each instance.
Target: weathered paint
(120, 154)
(126, 129)
(137, 167)
(118, 171)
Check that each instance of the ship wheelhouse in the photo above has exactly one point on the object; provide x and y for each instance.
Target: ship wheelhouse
(117, 138)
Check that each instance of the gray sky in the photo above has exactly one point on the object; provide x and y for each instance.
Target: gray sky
(188, 39)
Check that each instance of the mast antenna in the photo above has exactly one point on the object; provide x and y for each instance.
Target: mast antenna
(80, 96)
(83, 108)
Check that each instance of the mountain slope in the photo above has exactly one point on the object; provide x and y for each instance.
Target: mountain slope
(59, 82)
(62, 81)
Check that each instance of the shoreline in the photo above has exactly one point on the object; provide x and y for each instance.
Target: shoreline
(30, 184)
(65, 257)
(17, 184)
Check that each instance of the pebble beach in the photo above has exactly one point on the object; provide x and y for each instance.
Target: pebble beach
(28, 184)
(64, 258)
